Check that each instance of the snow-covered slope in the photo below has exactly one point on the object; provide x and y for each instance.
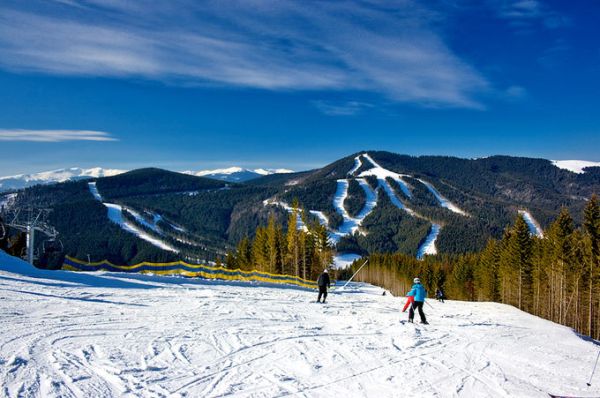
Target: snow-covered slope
(352, 224)
(115, 214)
(576, 166)
(534, 226)
(236, 174)
(120, 335)
(428, 246)
(50, 177)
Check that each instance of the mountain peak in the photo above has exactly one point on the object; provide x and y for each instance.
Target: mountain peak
(21, 181)
(236, 173)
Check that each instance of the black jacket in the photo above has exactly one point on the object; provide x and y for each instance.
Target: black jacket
(324, 280)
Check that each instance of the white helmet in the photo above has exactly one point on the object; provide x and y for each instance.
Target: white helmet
(325, 270)
(416, 280)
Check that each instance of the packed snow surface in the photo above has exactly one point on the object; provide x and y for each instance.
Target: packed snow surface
(428, 246)
(533, 225)
(120, 335)
(576, 166)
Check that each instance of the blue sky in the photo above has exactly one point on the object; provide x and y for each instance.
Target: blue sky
(187, 84)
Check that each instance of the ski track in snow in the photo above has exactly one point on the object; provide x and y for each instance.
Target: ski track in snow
(105, 335)
(533, 225)
(428, 246)
(442, 200)
(382, 174)
(115, 214)
(351, 224)
(357, 164)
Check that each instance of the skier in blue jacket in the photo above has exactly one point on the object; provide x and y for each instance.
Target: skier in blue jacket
(419, 293)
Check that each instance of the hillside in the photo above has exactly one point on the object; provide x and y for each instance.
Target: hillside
(370, 202)
(117, 335)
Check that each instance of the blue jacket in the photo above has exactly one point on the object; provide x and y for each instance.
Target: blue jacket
(418, 292)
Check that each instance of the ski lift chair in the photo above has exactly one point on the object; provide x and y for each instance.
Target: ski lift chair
(52, 245)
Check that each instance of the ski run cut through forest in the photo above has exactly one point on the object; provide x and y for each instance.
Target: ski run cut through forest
(65, 334)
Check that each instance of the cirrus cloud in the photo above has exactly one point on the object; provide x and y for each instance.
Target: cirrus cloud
(54, 135)
(391, 48)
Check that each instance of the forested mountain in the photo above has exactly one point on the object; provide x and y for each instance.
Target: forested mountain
(370, 202)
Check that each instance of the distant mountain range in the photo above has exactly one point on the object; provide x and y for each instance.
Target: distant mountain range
(21, 181)
(370, 201)
(237, 174)
(232, 174)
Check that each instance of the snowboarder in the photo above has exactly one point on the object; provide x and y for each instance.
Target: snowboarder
(418, 293)
(324, 282)
(439, 294)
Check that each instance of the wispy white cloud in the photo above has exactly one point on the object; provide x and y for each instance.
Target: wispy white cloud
(522, 14)
(387, 47)
(344, 108)
(54, 135)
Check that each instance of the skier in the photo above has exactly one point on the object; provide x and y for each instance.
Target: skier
(324, 282)
(439, 294)
(419, 293)
(409, 301)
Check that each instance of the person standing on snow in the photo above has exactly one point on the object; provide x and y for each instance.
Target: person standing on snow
(439, 294)
(419, 293)
(324, 282)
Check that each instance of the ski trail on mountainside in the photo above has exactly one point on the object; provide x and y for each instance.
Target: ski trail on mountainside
(442, 201)
(350, 225)
(428, 246)
(534, 226)
(115, 214)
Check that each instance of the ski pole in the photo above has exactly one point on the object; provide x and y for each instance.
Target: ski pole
(349, 280)
(427, 302)
(593, 371)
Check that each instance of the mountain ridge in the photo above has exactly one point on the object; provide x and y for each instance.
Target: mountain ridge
(371, 201)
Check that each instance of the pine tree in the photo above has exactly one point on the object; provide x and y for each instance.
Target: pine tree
(591, 224)
(559, 239)
(488, 273)
(260, 250)
(519, 254)
(274, 243)
(244, 254)
(292, 242)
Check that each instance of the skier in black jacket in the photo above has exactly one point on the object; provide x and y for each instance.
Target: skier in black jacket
(324, 282)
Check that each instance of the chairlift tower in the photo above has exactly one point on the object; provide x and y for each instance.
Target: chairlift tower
(35, 219)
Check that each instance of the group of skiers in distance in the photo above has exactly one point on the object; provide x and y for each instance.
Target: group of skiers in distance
(415, 297)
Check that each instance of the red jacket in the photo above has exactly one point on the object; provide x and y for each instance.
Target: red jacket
(409, 301)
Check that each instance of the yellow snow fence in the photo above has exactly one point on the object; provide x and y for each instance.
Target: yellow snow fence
(189, 270)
